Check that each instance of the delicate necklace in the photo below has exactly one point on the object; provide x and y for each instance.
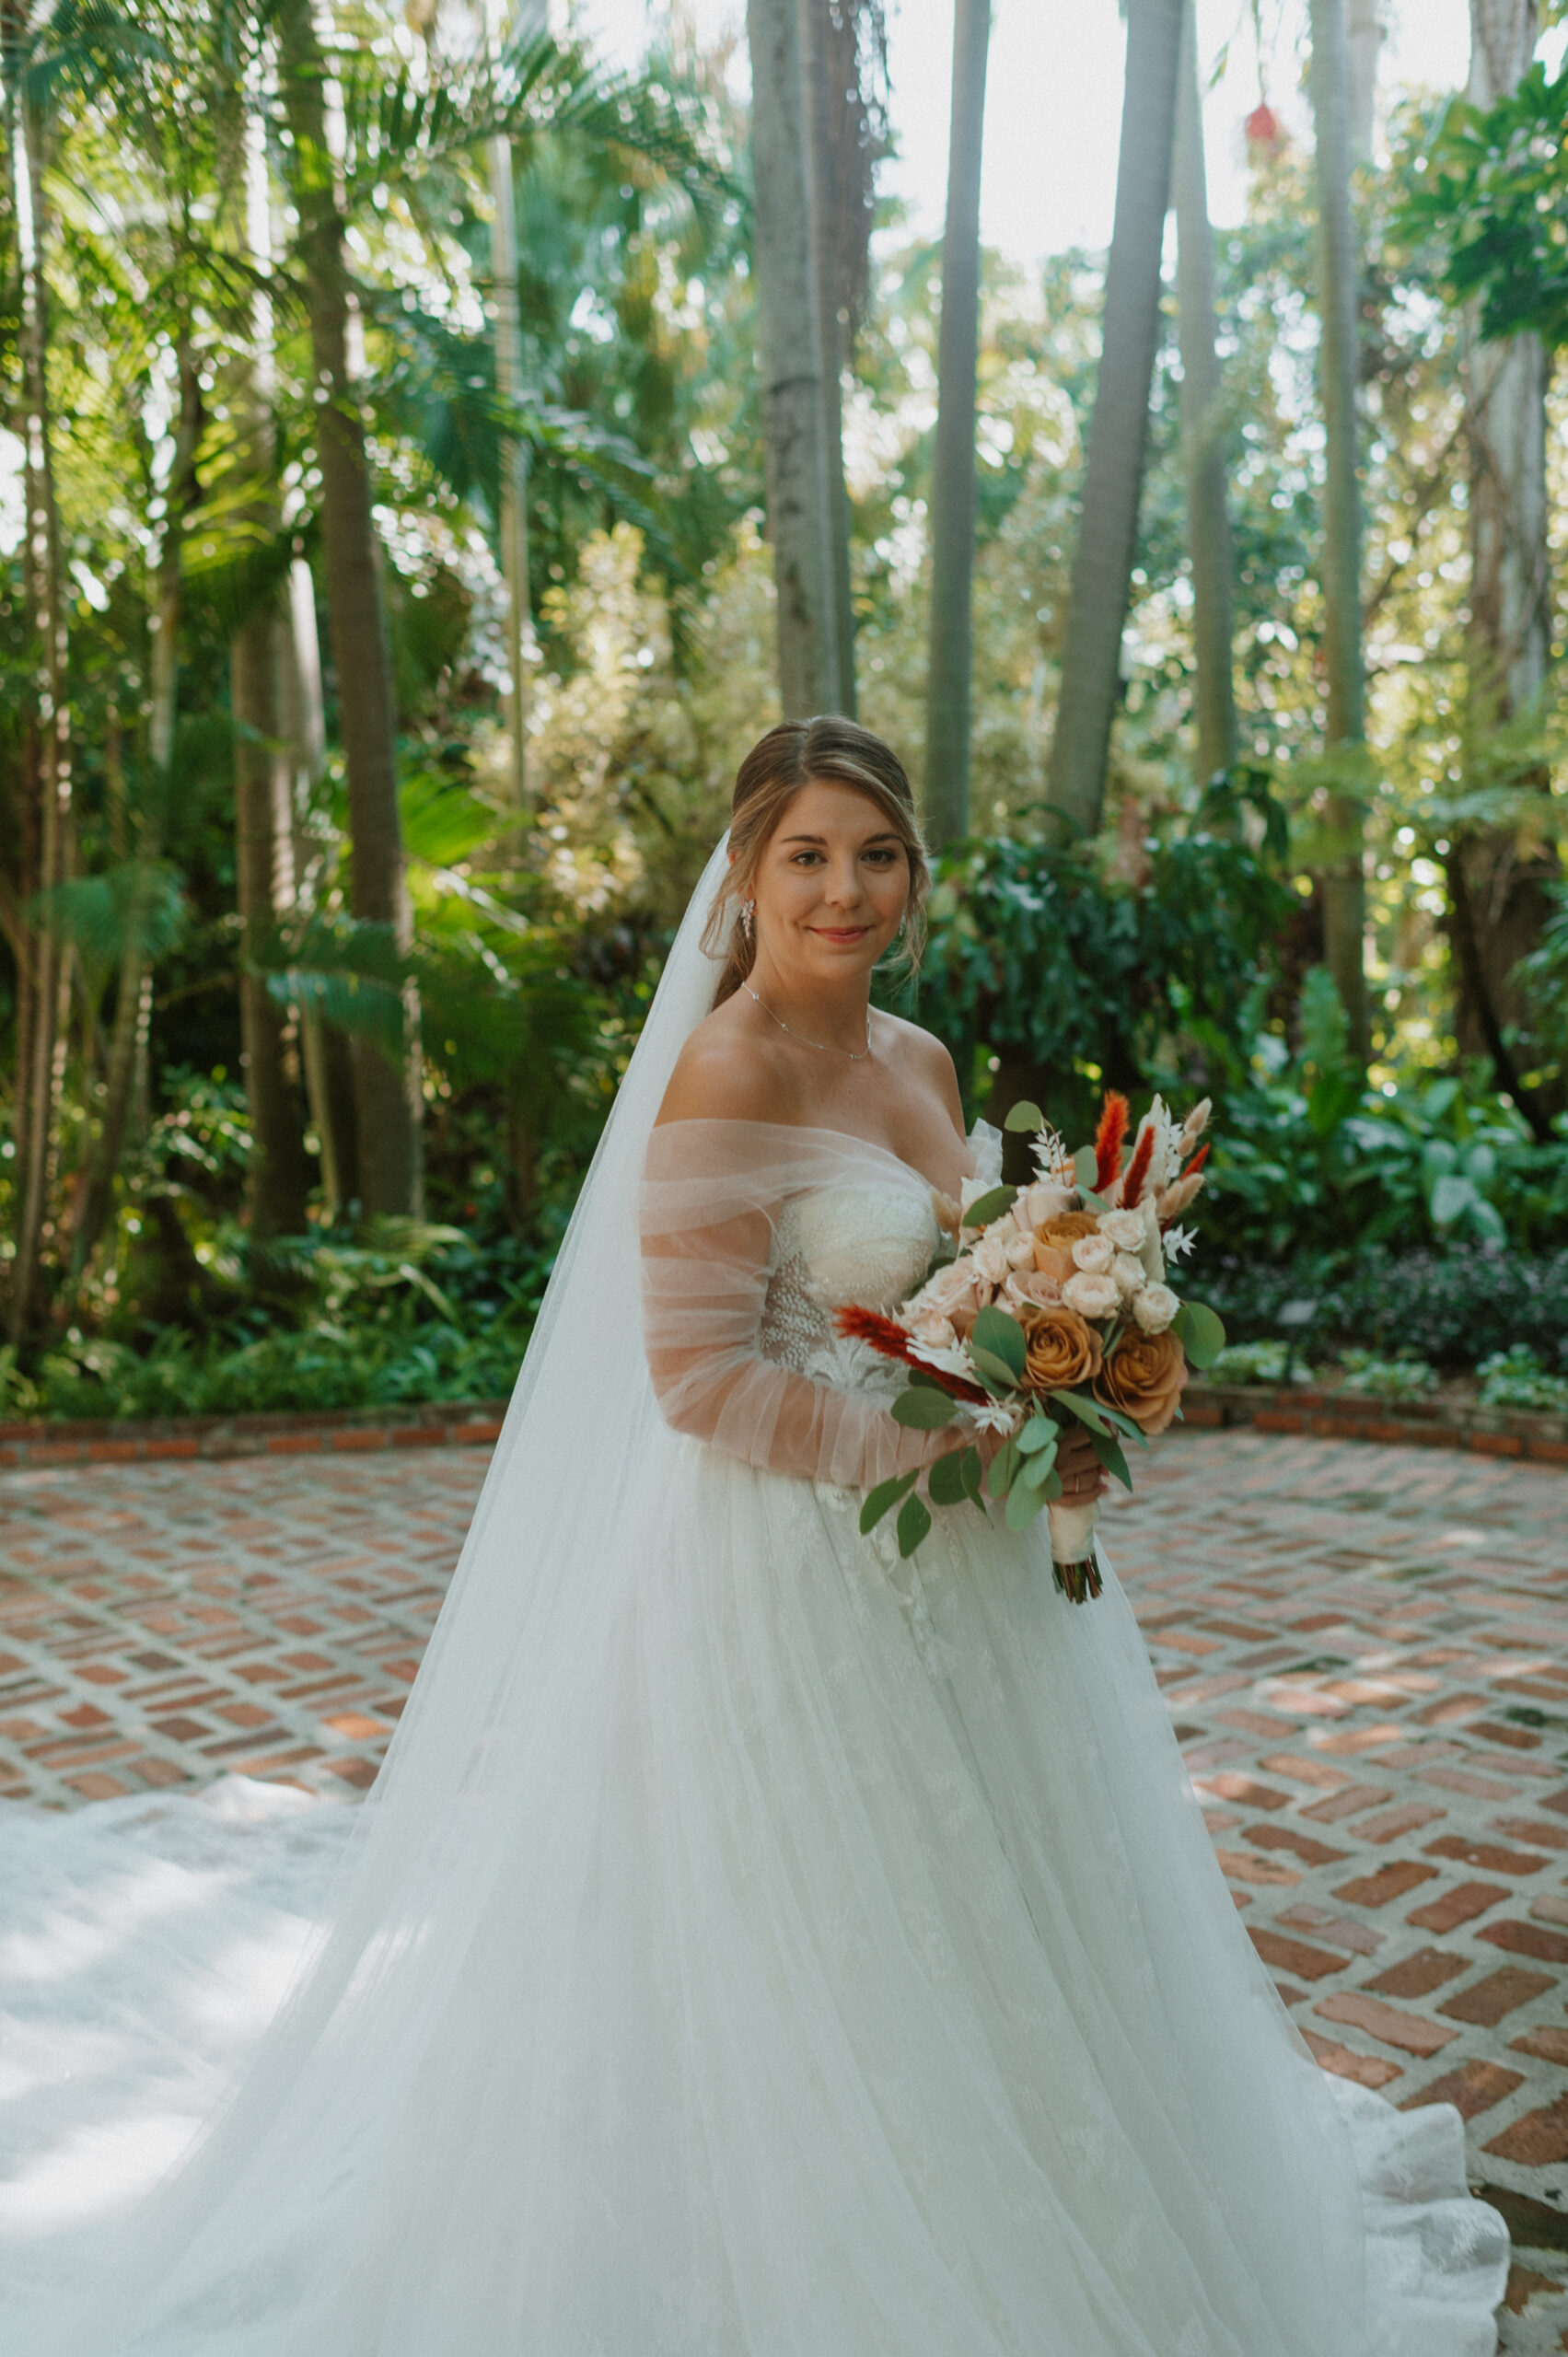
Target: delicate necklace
(823, 1047)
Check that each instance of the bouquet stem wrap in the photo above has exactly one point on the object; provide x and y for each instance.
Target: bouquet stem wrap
(1073, 1549)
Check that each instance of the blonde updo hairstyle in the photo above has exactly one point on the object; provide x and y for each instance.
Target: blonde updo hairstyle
(827, 750)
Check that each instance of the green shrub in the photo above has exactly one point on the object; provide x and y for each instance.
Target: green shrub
(1403, 1376)
(1516, 1379)
(1453, 1308)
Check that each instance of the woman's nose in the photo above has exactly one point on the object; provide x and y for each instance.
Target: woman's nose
(842, 885)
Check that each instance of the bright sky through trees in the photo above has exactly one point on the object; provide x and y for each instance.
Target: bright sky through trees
(1054, 99)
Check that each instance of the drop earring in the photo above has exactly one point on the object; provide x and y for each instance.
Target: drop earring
(746, 908)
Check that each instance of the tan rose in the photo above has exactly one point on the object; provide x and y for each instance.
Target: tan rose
(1062, 1350)
(1054, 1242)
(1143, 1377)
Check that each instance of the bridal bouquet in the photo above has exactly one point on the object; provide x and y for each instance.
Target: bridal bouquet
(1054, 1309)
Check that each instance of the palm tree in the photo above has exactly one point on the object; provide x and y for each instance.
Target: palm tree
(1364, 31)
(46, 817)
(1203, 424)
(953, 489)
(386, 1097)
(1498, 895)
(1108, 521)
(789, 339)
(1341, 882)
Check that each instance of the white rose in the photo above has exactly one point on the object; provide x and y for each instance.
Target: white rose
(1031, 1289)
(1091, 1296)
(951, 1289)
(1123, 1229)
(1093, 1254)
(1129, 1274)
(990, 1258)
(1154, 1308)
(1040, 1202)
(935, 1330)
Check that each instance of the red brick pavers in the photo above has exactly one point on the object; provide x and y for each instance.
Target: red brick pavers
(1364, 1651)
(165, 1624)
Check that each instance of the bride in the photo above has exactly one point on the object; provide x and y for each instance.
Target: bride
(756, 1947)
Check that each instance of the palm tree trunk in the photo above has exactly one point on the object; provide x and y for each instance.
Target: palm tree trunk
(277, 1182)
(829, 64)
(97, 1199)
(1202, 426)
(1343, 881)
(1498, 887)
(1365, 32)
(40, 1066)
(790, 359)
(1107, 519)
(387, 1098)
(514, 456)
(952, 487)
(325, 1053)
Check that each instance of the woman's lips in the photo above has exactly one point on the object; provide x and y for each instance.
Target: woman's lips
(840, 933)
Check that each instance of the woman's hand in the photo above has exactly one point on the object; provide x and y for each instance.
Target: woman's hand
(1083, 1474)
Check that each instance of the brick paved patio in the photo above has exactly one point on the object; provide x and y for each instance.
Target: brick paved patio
(1364, 1651)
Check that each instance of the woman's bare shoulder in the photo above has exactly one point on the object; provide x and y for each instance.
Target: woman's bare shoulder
(925, 1057)
(726, 1074)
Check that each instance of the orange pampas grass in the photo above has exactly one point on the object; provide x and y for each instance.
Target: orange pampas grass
(887, 1336)
(1138, 1168)
(1108, 1139)
(1197, 1162)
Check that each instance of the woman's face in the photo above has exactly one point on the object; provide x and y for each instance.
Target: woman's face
(831, 886)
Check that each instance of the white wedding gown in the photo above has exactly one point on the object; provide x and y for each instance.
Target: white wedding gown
(755, 1947)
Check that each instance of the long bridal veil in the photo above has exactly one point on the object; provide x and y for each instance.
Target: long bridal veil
(254, 2210)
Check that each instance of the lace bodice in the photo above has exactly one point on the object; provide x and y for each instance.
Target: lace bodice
(866, 1244)
(871, 1243)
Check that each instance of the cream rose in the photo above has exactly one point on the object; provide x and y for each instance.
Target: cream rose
(1127, 1274)
(950, 1294)
(1154, 1308)
(1091, 1296)
(1093, 1254)
(1123, 1229)
(935, 1331)
(1031, 1289)
(989, 1259)
(1041, 1202)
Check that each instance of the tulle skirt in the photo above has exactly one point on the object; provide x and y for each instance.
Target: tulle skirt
(851, 1977)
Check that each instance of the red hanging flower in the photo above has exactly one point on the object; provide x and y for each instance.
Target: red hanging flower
(1138, 1168)
(1108, 1139)
(887, 1336)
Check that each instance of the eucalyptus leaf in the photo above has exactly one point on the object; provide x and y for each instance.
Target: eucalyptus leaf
(1023, 1504)
(884, 1495)
(989, 1206)
(1123, 1423)
(971, 1472)
(946, 1482)
(1087, 1410)
(1086, 1167)
(1002, 1338)
(995, 1370)
(1039, 1432)
(1037, 1471)
(920, 1411)
(1023, 1116)
(915, 1524)
(1108, 1448)
(1004, 1468)
(1200, 1332)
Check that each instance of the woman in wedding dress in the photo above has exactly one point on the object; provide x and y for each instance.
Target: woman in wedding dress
(755, 1946)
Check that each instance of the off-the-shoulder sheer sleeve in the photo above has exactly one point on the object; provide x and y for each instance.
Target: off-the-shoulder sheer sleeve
(711, 1196)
